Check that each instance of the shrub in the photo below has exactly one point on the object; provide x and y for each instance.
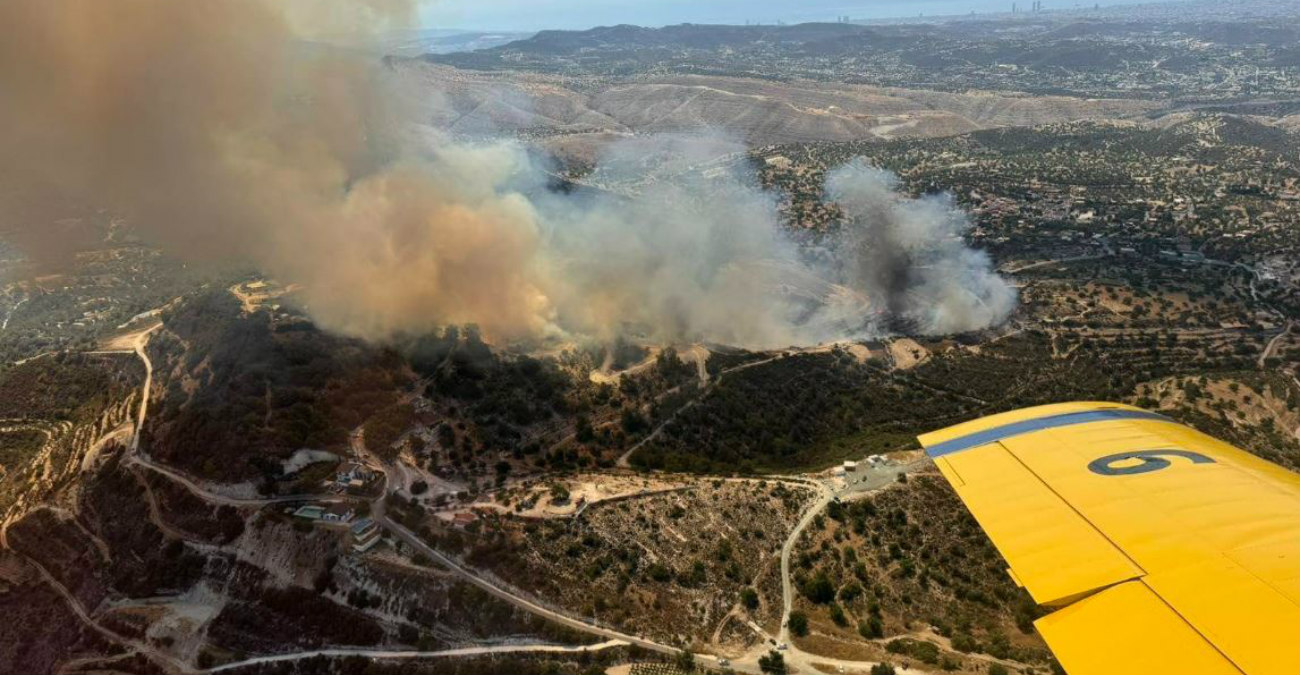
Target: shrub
(799, 623)
(774, 663)
(871, 628)
(837, 615)
(819, 589)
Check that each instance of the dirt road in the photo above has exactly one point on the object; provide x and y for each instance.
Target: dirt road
(407, 655)
(1271, 348)
(624, 460)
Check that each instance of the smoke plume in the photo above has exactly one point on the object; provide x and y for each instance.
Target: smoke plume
(223, 133)
(911, 254)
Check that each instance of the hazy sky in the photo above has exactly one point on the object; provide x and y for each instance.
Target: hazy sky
(527, 15)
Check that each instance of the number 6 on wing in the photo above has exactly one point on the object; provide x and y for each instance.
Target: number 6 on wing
(1152, 460)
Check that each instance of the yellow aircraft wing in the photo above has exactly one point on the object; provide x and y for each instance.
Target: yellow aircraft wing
(1162, 549)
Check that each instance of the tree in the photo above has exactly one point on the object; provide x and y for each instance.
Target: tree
(963, 642)
(999, 646)
(559, 493)
(872, 628)
(584, 431)
(658, 572)
(774, 663)
(633, 422)
(799, 623)
(749, 598)
(850, 591)
(883, 669)
(997, 669)
(685, 661)
(819, 589)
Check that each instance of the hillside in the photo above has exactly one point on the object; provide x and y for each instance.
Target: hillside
(1092, 56)
(754, 110)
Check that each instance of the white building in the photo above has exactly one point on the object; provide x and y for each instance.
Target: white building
(365, 534)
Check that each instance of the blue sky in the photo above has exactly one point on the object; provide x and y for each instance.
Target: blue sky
(528, 15)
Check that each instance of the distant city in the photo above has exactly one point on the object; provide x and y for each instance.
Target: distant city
(520, 15)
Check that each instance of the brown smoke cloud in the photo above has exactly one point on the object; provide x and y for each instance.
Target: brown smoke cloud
(222, 135)
(222, 131)
(219, 133)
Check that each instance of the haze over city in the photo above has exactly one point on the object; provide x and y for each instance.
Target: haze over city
(529, 15)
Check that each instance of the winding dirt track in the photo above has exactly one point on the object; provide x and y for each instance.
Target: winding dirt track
(799, 661)
(409, 655)
(624, 459)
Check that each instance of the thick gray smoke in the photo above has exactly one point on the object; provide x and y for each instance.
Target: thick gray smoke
(910, 255)
(222, 136)
(709, 260)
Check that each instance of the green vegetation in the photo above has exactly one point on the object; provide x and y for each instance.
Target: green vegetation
(385, 427)
(67, 387)
(771, 417)
(926, 652)
(773, 663)
(710, 547)
(912, 555)
(19, 445)
(818, 589)
(799, 623)
(52, 404)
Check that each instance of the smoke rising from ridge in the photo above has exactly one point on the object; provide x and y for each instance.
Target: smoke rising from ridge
(911, 253)
(222, 135)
